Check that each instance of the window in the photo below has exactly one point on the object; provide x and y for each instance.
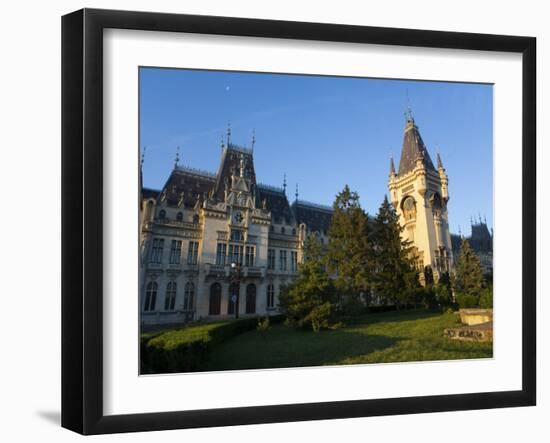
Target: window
(250, 307)
(271, 259)
(188, 296)
(175, 252)
(196, 219)
(179, 216)
(293, 231)
(236, 254)
(162, 214)
(293, 261)
(192, 253)
(237, 235)
(249, 258)
(170, 298)
(283, 230)
(150, 296)
(221, 253)
(215, 299)
(282, 260)
(270, 296)
(156, 252)
(272, 228)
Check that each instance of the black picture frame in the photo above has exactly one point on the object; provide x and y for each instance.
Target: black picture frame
(82, 240)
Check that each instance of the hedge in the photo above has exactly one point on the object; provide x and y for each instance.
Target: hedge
(186, 349)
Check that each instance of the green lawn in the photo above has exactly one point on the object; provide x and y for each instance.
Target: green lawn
(373, 338)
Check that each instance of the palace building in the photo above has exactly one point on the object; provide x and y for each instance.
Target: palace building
(222, 245)
(217, 245)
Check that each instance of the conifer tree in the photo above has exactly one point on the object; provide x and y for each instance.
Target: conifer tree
(349, 248)
(309, 301)
(395, 277)
(468, 277)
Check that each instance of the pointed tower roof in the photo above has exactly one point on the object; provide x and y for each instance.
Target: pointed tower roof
(413, 148)
(392, 166)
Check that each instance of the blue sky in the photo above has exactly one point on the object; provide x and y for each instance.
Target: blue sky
(323, 132)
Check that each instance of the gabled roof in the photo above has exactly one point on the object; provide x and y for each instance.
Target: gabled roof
(231, 158)
(276, 202)
(192, 182)
(413, 149)
(316, 217)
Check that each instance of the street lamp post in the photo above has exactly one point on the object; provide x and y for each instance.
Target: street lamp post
(236, 284)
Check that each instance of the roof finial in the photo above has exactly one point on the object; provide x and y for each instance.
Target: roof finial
(228, 133)
(392, 166)
(408, 111)
(222, 145)
(296, 194)
(176, 162)
(253, 139)
(439, 162)
(471, 221)
(485, 218)
(479, 215)
(459, 231)
(142, 157)
(284, 183)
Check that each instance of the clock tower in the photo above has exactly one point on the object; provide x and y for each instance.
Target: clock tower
(419, 192)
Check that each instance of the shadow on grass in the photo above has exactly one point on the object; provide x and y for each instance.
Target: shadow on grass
(284, 347)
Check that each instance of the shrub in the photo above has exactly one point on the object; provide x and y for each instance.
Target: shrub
(185, 349)
(466, 301)
(486, 298)
(318, 318)
(263, 325)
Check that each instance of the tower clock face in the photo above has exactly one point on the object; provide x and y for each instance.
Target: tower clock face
(238, 217)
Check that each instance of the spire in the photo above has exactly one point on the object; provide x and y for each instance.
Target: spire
(439, 162)
(392, 167)
(142, 157)
(413, 148)
(228, 133)
(253, 139)
(296, 194)
(177, 160)
(222, 145)
(284, 183)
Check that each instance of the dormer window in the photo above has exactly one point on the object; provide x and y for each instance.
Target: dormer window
(179, 217)
(162, 214)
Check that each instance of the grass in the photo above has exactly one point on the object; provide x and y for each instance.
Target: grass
(373, 338)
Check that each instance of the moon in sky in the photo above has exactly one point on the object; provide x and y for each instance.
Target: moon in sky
(227, 88)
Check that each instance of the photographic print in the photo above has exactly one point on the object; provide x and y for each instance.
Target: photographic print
(300, 220)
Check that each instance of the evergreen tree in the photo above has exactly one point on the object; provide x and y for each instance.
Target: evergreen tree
(468, 277)
(395, 279)
(349, 248)
(309, 301)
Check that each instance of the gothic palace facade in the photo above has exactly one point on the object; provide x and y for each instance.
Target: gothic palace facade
(222, 245)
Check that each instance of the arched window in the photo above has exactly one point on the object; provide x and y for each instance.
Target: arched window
(188, 296)
(251, 298)
(215, 299)
(179, 216)
(150, 296)
(272, 228)
(170, 298)
(293, 231)
(283, 230)
(196, 219)
(162, 214)
(270, 296)
(232, 297)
